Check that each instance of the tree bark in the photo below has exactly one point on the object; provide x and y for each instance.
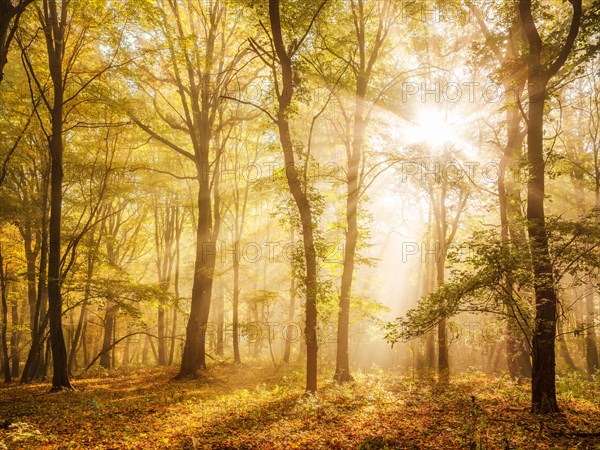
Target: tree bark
(544, 334)
(194, 350)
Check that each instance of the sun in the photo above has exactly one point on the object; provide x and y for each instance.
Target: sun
(432, 127)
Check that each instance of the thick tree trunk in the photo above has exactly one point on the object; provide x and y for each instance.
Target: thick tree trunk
(54, 31)
(60, 377)
(543, 382)
(543, 387)
(194, 350)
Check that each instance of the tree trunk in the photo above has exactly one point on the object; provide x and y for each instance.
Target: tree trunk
(31, 255)
(55, 39)
(236, 308)
(194, 350)
(291, 310)
(220, 319)
(564, 349)
(82, 313)
(443, 366)
(109, 325)
(39, 320)
(14, 340)
(176, 304)
(162, 343)
(543, 388)
(517, 355)
(543, 382)
(342, 365)
(10, 14)
(300, 197)
(591, 349)
(3, 332)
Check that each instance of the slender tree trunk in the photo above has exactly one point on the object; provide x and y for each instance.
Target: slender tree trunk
(564, 348)
(176, 289)
(31, 255)
(300, 197)
(443, 360)
(14, 340)
(35, 356)
(291, 313)
(109, 325)
(145, 350)
(220, 318)
(342, 366)
(517, 355)
(591, 349)
(82, 312)
(84, 344)
(162, 347)
(429, 285)
(3, 335)
(125, 358)
(236, 307)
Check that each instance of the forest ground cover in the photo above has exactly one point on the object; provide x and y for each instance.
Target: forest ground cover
(260, 407)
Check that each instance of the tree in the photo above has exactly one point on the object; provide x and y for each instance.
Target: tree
(10, 14)
(372, 23)
(199, 75)
(539, 73)
(282, 60)
(54, 21)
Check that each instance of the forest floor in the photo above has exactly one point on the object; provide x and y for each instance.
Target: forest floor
(250, 407)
